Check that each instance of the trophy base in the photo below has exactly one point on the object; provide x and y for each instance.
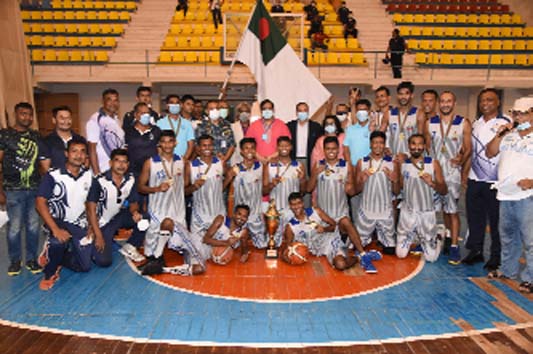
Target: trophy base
(271, 253)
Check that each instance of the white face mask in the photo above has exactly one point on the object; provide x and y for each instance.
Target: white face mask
(342, 117)
(244, 116)
(174, 108)
(267, 113)
(362, 116)
(214, 114)
(330, 128)
(223, 113)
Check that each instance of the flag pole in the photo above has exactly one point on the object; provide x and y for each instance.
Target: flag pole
(230, 70)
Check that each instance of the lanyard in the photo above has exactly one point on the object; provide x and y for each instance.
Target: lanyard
(171, 174)
(177, 130)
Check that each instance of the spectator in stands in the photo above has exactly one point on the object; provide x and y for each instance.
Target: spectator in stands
(239, 128)
(104, 133)
(319, 40)
(142, 138)
(183, 5)
(395, 51)
(266, 132)
(55, 144)
(277, 8)
(344, 13)
(182, 127)
(311, 10)
(219, 130)
(214, 6)
(316, 26)
(349, 28)
(143, 94)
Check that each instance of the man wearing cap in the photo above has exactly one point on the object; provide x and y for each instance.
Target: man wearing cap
(515, 193)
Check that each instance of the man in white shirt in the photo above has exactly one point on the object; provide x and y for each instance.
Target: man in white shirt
(481, 202)
(515, 193)
(104, 132)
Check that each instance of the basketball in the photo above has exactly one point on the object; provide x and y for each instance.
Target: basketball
(297, 253)
(222, 254)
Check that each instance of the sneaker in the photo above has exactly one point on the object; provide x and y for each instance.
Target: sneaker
(129, 251)
(33, 267)
(447, 246)
(455, 255)
(366, 263)
(473, 257)
(417, 251)
(42, 260)
(183, 269)
(14, 269)
(154, 267)
(47, 284)
(375, 255)
(391, 251)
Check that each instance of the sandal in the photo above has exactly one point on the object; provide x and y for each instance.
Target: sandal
(495, 274)
(526, 287)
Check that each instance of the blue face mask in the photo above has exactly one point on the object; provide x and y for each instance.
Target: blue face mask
(362, 116)
(223, 112)
(145, 119)
(330, 128)
(174, 108)
(214, 114)
(523, 126)
(267, 113)
(303, 115)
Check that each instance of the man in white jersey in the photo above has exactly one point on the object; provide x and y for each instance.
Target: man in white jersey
(482, 207)
(246, 178)
(112, 191)
(515, 193)
(428, 105)
(319, 232)
(204, 181)
(377, 180)
(449, 141)
(420, 178)
(380, 117)
(162, 179)
(61, 204)
(333, 179)
(280, 179)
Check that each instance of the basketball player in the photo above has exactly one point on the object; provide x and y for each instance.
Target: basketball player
(319, 232)
(377, 180)
(247, 178)
(111, 191)
(449, 138)
(420, 178)
(204, 180)
(280, 179)
(61, 204)
(333, 180)
(162, 179)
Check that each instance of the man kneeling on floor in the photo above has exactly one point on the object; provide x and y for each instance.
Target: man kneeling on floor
(61, 203)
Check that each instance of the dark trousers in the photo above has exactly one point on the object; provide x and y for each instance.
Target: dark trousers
(396, 61)
(481, 204)
(217, 17)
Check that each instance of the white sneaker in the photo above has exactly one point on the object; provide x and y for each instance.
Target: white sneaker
(129, 251)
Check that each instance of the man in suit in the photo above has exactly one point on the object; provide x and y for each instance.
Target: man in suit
(304, 133)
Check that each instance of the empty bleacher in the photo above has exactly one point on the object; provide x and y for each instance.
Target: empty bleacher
(461, 33)
(75, 31)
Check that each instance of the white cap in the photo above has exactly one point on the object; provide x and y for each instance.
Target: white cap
(523, 104)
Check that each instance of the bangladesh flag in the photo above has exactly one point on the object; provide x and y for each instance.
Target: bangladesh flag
(280, 74)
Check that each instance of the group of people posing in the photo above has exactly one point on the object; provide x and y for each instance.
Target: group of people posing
(201, 186)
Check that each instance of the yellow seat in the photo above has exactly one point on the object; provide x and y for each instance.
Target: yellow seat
(472, 32)
(178, 17)
(413, 44)
(70, 16)
(420, 58)
(448, 45)
(419, 18)
(47, 15)
(345, 58)
(203, 58)
(495, 19)
(429, 18)
(169, 42)
(198, 29)
(516, 19)
(62, 55)
(175, 29)
(47, 28)
(49, 55)
(210, 29)
(131, 5)
(80, 15)
(528, 32)
(529, 44)
(178, 57)
(36, 40)
(48, 41)
(405, 31)
(117, 28)
(505, 31)
(165, 57)
(483, 19)
(332, 58)
(472, 45)
(484, 32)
(85, 41)
(61, 41)
(507, 45)
(182, 42)
(441, 18)
(59, 15)
(460, 32)
(458, 59)
(26, 15)
(424, 44)
(445, 59)
(495, 32)
(521, 59)
(124, 16)
(75, 56)
(312, 58)
(358, 59)
(460, 45)
(353, 43)
(438, 31)
(409, 18)
(93, 28)
(60, 28)
(72, 41)
(505, 19)
(110, 42)
(484, 45)
(520, 45)
(517, 32)
(35, 28)
(37, 55)
(35, 15)
(508, 59)
(71, 28)
(195, 43)
(218, 42)
(460, 18)
(470, 59)
(336, 30)
(472, 19)
(186, 29)
(102, 16)
(496, 45)
(26, 27)
(101, 56)
(427, 31)
(113, 16)
(339, 43)
(483, 59)
(435, 45)
(397, 17)
(214, 57)
(92, 15)
(495, 59)
(191, 57)
(231, 43)
(449, 31)
(97, 42)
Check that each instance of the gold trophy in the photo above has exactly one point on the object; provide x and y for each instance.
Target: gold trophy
(272, 223)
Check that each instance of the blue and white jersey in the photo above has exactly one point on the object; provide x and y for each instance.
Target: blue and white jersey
(401, 127)
(208, 200)
(304, 230)
(223, 234)
(290, 183)
(418, 196)
(331, 189)
(110, 198)
(66, 194)
(248, 185)
(376, 200)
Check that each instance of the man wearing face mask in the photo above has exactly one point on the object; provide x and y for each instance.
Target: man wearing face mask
(515, 193)
(357, 142)
(142, 138)
(343, 115)
(219, 130)
(239, 128)
(304, 134)
(223, 110)
(143, 94)
(181, 127)
(266, 132)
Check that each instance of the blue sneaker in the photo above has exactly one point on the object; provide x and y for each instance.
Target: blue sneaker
(417, 251)
(455, 255)
(366, 263)
(375, 255)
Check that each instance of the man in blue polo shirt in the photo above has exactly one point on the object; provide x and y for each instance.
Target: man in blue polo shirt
(357, 142)
(56, 142)
(181, 127)
(107, 213)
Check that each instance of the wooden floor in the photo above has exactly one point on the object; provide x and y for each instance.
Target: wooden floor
(16, 340)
